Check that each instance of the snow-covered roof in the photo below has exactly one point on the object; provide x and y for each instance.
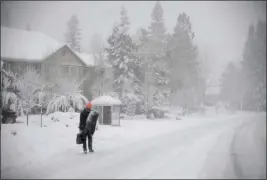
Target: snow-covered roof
(87, 59)
(33, 46)
(105, 101)
(26, 45)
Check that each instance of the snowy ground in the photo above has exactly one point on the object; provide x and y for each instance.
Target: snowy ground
(225, 146)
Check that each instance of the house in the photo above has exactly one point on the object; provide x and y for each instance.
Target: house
(21, 49)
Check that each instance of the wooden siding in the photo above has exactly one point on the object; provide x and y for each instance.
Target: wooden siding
(64, 57)
(20, 67)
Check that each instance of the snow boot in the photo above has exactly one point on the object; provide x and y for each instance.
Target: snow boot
(91, 150)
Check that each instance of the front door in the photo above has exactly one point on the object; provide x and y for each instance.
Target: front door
(107, 115)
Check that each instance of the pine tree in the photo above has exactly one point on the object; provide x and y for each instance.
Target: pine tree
(73, 35)
(231, 86)
(157, 39)
(157, 27)
(121, 55)
(254, 67)
(182, 56)
(125, 23)
(153, 52)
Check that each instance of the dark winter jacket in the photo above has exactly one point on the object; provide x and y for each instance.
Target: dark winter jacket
(91, 122)
(83, 116)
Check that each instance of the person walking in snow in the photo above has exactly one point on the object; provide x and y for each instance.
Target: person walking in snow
(88, 119)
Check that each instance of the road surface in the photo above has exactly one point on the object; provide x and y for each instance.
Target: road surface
(231, 148)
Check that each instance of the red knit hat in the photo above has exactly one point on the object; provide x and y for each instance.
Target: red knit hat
(89, 105)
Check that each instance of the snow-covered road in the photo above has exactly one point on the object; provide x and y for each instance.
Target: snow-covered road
(224, 148)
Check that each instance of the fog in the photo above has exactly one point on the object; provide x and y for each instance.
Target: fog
(148, 89)
(220, 27)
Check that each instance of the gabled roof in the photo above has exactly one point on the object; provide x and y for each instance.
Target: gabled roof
(87, 59)
(26, 45)
(32, 46)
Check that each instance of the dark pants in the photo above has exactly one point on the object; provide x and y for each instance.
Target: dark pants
(87, 135)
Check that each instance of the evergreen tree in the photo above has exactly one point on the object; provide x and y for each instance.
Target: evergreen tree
(231, 87)
(254, 67)
(152, 51)
(73, 35)
(157, 27)
(121, 55)
(182, 55)
(157, 38)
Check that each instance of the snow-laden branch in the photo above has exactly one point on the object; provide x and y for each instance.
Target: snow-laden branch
(28, 86)
(67, 94)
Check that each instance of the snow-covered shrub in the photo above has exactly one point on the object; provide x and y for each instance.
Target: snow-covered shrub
(9, 100)
(113, 94)
(9, 80)
(129, 101)
(29, 85)
(66, 94)
(8, 87)
(71, 109)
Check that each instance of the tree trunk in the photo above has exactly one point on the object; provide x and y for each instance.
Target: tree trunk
(27, 118)
(41, 117)
(170, 97)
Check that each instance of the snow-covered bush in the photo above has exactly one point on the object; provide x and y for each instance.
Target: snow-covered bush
(129, 101)
(8, 87)
(113, 94)
(29, 85)
(9, 100)
(66, 94)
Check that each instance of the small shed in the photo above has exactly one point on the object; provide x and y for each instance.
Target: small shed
(109, 110)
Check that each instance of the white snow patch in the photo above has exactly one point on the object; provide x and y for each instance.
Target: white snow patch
(33, 46)
(54, 137)
(26, 45)
(35, 147)
(87, 59)
(105, 101)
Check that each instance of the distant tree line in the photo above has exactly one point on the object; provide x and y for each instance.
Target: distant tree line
(244, 84)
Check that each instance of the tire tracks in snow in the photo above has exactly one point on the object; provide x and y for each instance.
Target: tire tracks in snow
(143, 154)
(138, 154)
(248, 157)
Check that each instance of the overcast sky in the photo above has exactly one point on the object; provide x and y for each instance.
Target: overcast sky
(220, 27)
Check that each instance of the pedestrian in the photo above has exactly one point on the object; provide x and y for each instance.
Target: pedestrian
(88, 119)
